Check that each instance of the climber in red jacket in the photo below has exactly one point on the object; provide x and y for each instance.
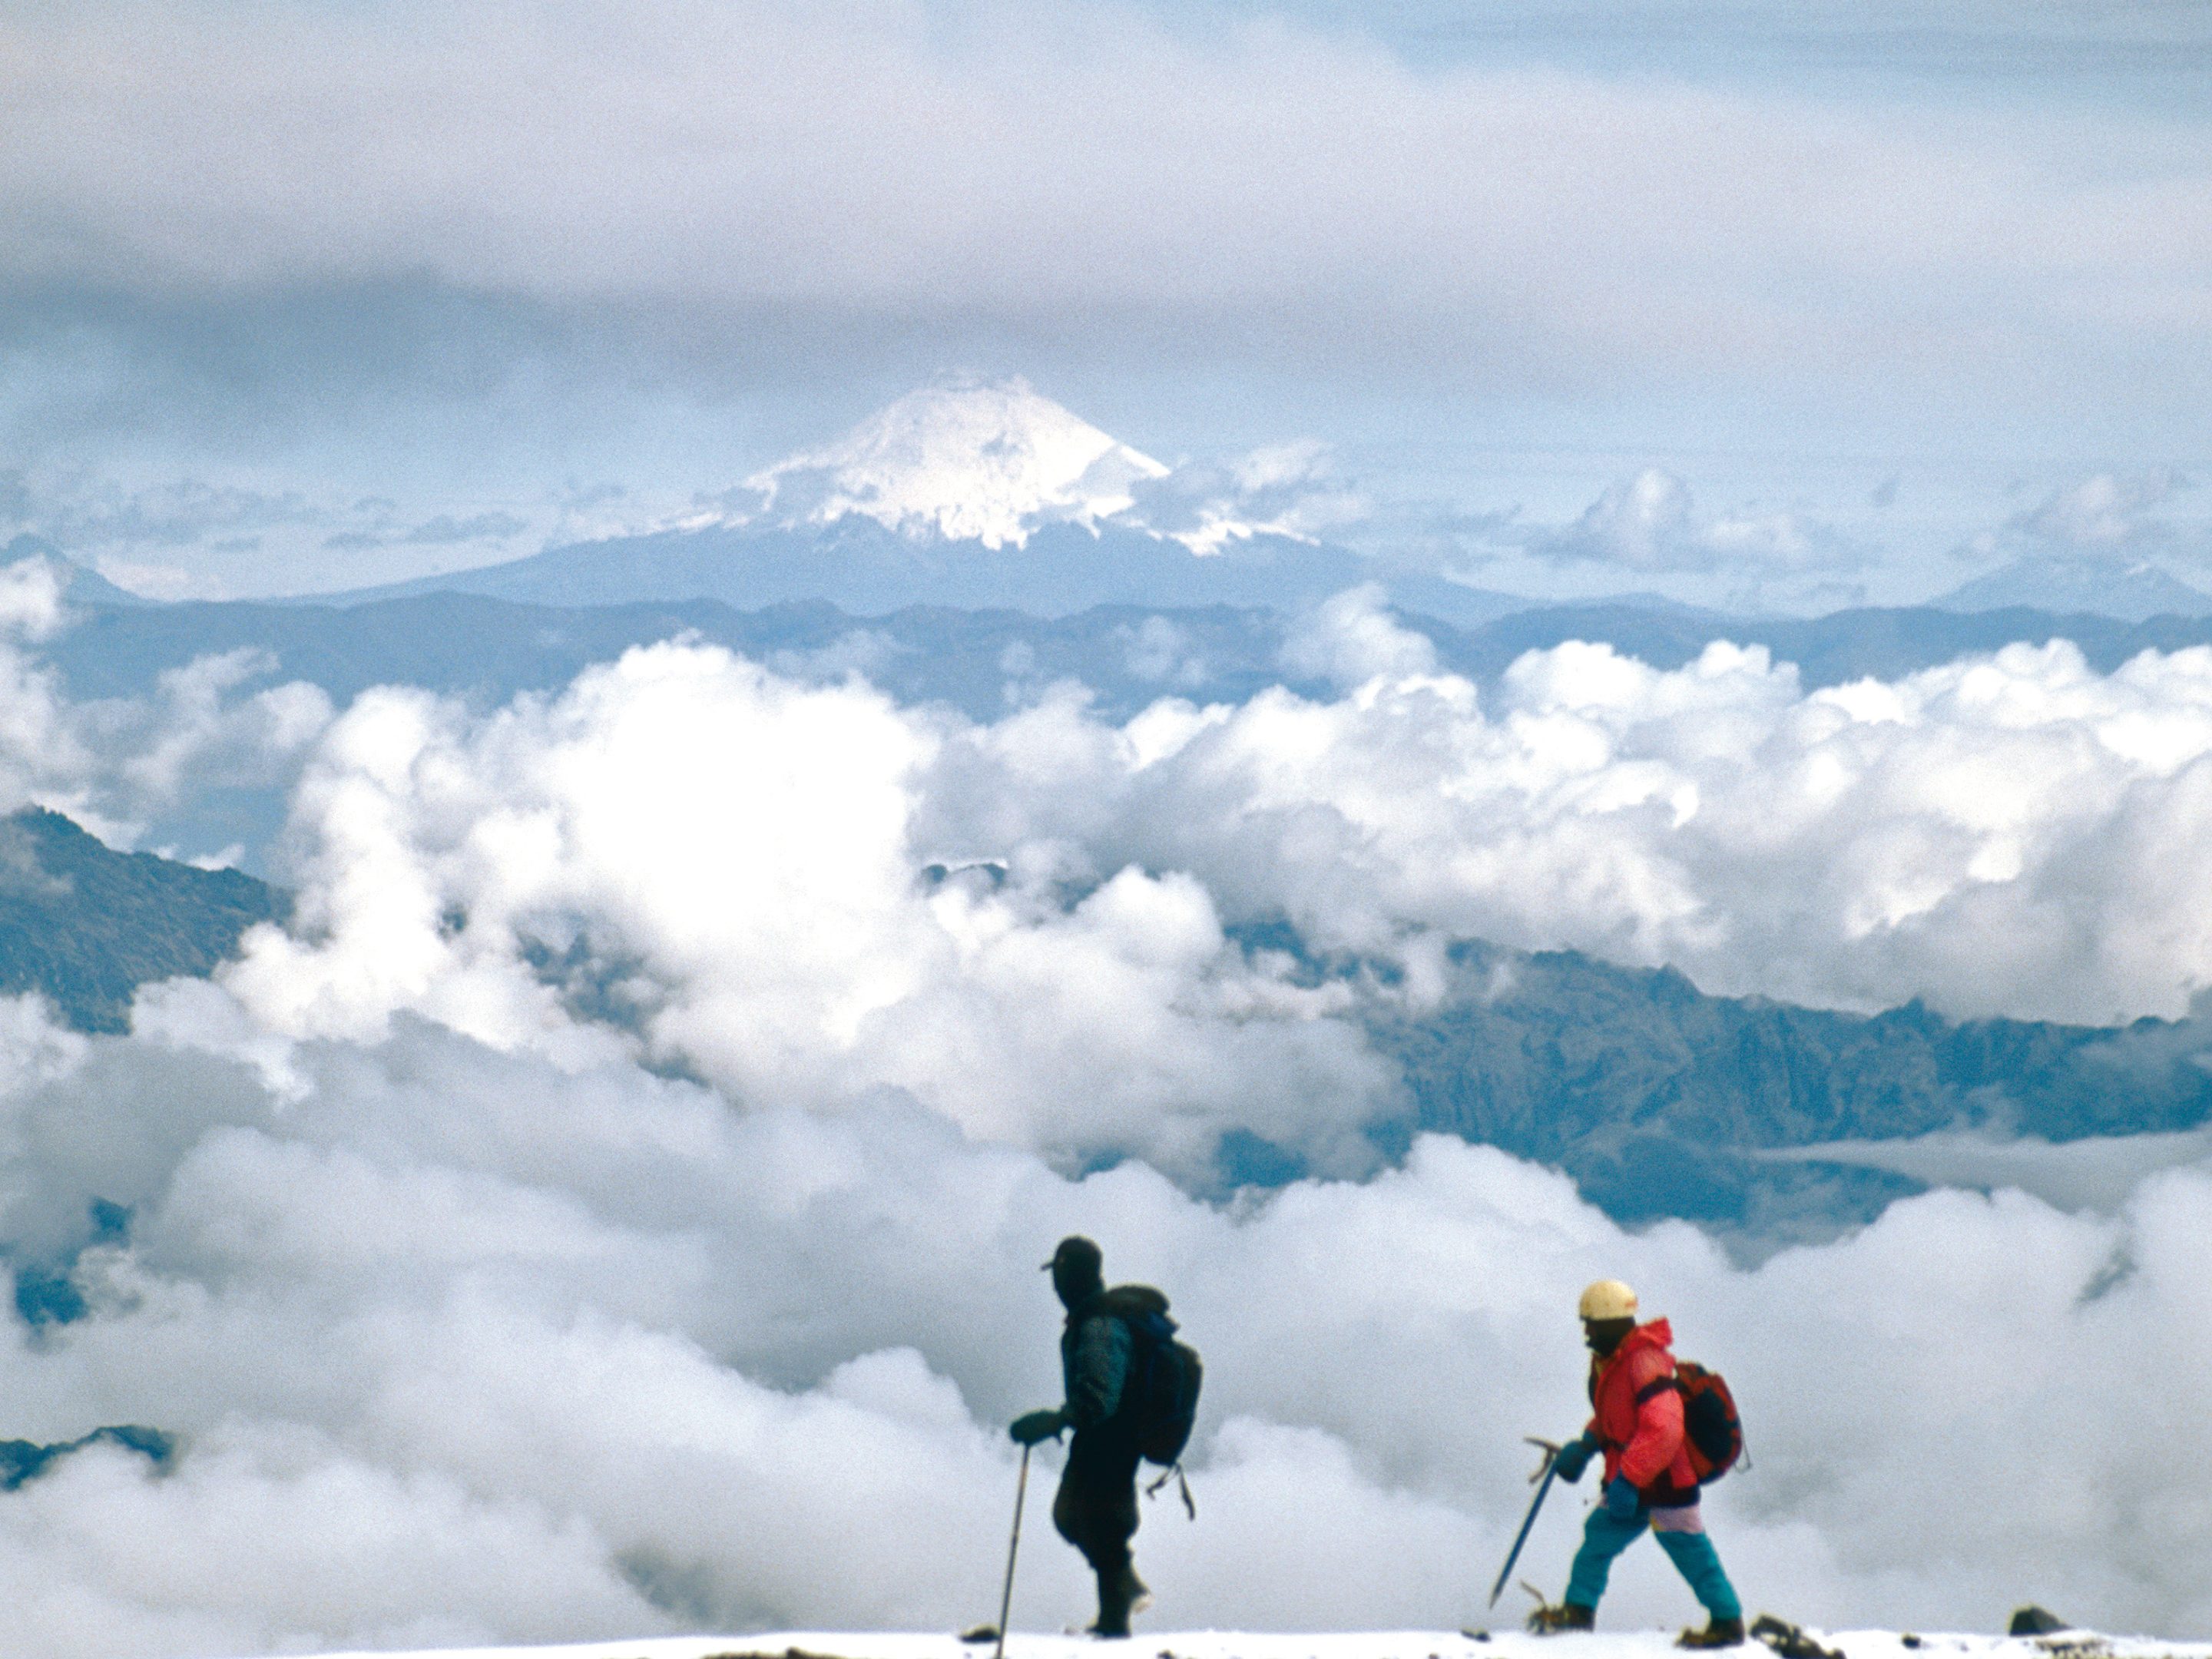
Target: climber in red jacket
(1637, 1423)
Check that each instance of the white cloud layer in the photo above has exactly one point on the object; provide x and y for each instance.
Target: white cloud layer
(2105, 518)
(119, 765)
(732, 862)
(901, 160)
(1649, 524)
(468, 1347)
(477, 1328)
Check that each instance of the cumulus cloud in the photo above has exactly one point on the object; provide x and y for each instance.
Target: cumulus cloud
(1161, 651)
(770, 918)
(1283, 490)
(2102, 512)
(2101, 546)
(735, 870)
(119, 765)
(2104, 517)
(613, 1208)
(1649, 524)
(1351, 640)
(2009, 835)
(468, 1347)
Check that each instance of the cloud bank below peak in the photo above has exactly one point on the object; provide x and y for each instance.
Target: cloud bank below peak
(483, 1316)
(2003, 836)
(465, 1348)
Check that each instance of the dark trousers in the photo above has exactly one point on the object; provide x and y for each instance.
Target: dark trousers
(1096, 1509)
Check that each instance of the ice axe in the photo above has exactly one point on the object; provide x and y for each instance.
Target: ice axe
(1542, 1481)
(1006, 1596)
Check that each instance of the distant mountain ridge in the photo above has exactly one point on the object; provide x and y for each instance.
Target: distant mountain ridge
(988, 496)
(1657, 1097)
(866, 568)
(80, 585)
(1128, 655)
(983, 495)
(977, 495)
(2080, 584)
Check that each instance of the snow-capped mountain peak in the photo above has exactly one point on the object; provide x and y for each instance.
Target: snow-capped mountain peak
(988, 462)
(2086, 583)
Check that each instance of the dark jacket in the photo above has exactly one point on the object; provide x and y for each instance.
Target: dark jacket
(1096, 1351)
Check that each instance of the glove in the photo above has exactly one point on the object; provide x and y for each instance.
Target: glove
(1574, 1457)
(1621, 1498)
(1033, 1427)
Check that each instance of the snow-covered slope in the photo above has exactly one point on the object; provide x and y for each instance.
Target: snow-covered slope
(1387, 1644)
(989, 463)
(982, 495)
(2083, 585)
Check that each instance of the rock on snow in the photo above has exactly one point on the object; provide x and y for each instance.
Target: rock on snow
(1388, 1645)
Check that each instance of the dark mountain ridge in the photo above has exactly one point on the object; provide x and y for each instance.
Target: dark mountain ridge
(85, 925)
(1657, 1097)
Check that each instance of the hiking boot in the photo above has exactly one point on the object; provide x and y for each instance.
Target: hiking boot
(1717, 1633)
(1134, 1591)
(1118, 1592)
(1568, 1615)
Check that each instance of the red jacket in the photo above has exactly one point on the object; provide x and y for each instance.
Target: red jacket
(1638, 1417)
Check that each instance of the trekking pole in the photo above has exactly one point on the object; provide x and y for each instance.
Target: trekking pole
(1545, 1472)
(1006, 1597)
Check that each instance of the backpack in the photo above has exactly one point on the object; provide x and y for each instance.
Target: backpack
(1710, 1425)
(1159, 1401)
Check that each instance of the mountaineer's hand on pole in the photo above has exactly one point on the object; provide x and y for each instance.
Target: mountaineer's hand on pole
(1574, 1457)
(1033, 1427)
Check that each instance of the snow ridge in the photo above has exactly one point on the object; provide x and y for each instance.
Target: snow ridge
(1508, 1643)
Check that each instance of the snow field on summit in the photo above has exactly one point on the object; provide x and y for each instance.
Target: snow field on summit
(1354, 1645)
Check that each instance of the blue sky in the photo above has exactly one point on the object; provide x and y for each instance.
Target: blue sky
(315, 295)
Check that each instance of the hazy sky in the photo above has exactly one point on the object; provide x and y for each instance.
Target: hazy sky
(305, 295)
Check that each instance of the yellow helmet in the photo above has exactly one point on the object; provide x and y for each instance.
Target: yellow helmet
(1608, 1299)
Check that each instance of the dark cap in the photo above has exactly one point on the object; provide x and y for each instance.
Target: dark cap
(1077, 1258)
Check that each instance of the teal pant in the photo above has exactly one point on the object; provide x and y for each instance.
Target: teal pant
(1692, 1552)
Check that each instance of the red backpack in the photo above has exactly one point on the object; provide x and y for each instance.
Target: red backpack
(1711, 1428)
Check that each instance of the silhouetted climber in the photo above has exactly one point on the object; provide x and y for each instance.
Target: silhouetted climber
(1096, 1509)
(1650, 1477)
